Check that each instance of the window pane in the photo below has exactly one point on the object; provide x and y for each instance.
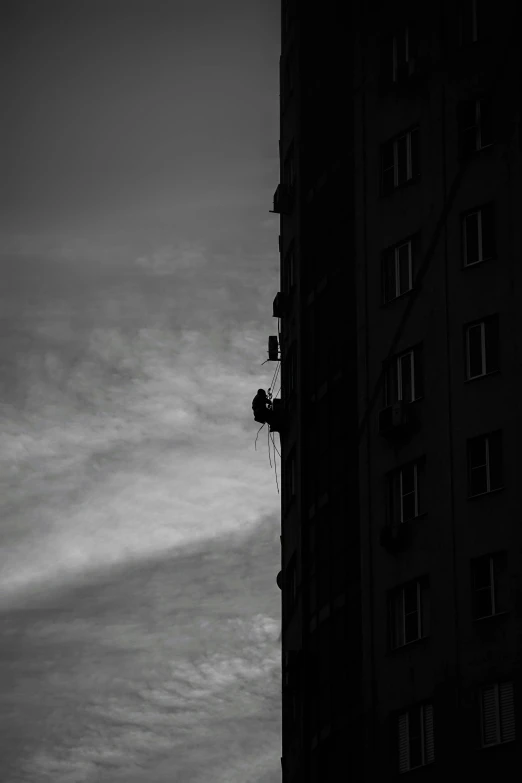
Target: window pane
(415, 153)
(478, 481)
(475, 364)
(488, 230)
(412, 627)
(471, 242)
(404, 265)
(492, 346)
(405, 377)
(402, 159)
(408, 507)
(486, 122)
(483, 603)
(495, 460)
(482, 573)
(410, 597)
(408, 479)
(477, 452)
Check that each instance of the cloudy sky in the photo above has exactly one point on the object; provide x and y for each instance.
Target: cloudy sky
(139, 528)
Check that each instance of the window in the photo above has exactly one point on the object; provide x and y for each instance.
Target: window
(397, 270)
(416, 746)
(408, 605)
(398, 56)
(475, 120)
(474, 22)
(403, 492)
(498, 714)
(478, 233)
(488, 575)
(484, 463)
(400, 161)
(403, 379)
(482, 346)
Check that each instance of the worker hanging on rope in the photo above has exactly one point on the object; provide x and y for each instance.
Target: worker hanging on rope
(262, 406)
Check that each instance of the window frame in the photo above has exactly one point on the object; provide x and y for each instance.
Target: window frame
(394, 376)
(487, 437)
(426, 737)
(398, 615)
(395, 267)
(480, 211)
(497, 571)
(411, 175)
(395, 495)
(500, 710)
(479, 104)
(489, 335)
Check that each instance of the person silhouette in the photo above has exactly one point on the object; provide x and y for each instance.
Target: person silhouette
(261, 407)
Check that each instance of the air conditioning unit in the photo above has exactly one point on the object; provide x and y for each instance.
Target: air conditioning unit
(273, 348)
(279, 306)
(282, 200)
(394, 418)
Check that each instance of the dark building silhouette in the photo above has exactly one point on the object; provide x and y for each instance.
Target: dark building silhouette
(400, 340)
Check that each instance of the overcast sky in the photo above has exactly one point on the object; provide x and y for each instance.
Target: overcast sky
(139, 530)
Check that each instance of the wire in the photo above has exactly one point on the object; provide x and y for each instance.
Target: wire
(275, 466)
(259, 430)
(275, 447)
(269, 457)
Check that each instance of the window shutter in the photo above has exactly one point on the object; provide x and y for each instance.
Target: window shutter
(428, 735)
(492, 345)
(495, 459)
(404, 760)
(507, 712)
(489, 716)
(488, 231)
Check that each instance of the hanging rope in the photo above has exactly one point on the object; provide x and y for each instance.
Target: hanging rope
(259, 430)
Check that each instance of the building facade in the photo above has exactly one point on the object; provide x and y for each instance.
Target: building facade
(400, 339)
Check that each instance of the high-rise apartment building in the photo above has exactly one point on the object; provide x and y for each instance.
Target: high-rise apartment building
(400, 339)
